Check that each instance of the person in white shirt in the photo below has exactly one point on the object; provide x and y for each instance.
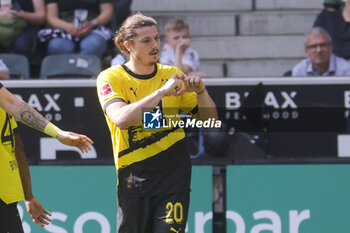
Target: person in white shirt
(176, 50)
(119, 59)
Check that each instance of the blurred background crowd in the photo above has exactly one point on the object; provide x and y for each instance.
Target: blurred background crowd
(217, 39)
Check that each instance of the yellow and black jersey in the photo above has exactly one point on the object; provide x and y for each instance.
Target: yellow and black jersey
(147, 160)
(10, 181)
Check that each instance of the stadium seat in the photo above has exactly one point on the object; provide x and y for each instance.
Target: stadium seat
(70, 66)
(17, 64)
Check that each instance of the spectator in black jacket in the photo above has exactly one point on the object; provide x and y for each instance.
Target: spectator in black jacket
(337, 23)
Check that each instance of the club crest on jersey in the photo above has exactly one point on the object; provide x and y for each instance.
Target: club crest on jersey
(106, 90)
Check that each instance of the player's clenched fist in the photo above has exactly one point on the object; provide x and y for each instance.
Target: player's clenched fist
(172, 86)
(192, 83)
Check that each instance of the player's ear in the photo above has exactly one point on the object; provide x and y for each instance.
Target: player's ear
(127, 45)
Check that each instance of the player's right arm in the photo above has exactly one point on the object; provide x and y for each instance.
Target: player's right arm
(26, 114)
(125, 115)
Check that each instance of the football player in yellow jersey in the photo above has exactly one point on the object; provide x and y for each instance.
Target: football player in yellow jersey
(153, 165)
(15, 182)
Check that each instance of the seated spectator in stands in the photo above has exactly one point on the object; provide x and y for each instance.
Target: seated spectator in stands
(85, 36)
(177, 51)
(337, 23)
(4, 71)
(122, 9)
(19, 25)
(333, 5)
(119, 59)
(320, 59)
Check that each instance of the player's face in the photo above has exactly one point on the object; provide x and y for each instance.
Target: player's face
(174, 38)
(145, 46)
(319, 49)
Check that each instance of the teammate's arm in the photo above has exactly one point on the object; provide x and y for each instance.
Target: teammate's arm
(33, 206)
(125, 115)
(29, 116)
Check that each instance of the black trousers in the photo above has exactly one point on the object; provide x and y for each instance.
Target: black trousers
(10, 221)
(166, 213)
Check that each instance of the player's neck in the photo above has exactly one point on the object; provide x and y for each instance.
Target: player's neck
(139, 68)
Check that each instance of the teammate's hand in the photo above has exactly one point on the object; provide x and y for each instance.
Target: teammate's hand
(192, 83)
(37, 212)
(74, 139)
(172, 86)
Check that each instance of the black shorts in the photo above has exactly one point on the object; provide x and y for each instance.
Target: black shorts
(10, 220)
(166, 213)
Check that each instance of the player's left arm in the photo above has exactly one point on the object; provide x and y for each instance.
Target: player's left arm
(33, 206)
(206, 106)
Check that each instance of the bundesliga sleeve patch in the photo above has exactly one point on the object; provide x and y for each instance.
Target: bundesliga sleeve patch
(106, 90)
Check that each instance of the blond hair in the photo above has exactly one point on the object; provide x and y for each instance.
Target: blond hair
(176, 25)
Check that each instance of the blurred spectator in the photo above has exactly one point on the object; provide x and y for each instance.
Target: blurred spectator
(119, 59)
(122, 9)
(177, 51)
(19, 24)
(4, 71)
(320, 59)
(337, 23)
(78, 26)
(333, 5)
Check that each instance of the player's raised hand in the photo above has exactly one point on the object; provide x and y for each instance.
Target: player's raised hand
(74, 139)
(191, 82)
(171, 87)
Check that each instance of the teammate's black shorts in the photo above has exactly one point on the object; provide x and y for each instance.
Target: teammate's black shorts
(166, 213)
(10, 221)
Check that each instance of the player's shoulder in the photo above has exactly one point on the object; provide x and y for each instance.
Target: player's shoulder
(168, 69)
(111, 73)
(112, 70)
